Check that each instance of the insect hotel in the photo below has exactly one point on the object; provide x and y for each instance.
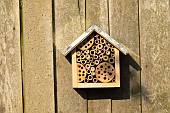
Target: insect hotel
(95, 59)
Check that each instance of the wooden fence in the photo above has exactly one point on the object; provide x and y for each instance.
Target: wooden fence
(36, 78)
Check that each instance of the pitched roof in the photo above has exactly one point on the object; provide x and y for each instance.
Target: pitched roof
(86, 34)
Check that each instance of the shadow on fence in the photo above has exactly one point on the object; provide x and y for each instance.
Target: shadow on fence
(123, 92)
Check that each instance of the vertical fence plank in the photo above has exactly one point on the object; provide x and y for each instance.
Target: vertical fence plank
(10, 58)
(69, 24)
(155, 52)
(38, 57)
(97, 13)
(124, 28)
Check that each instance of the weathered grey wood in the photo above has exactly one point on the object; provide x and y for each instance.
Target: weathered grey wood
(10, 58)
(124, 27)
(38, 57)
(155, 55)
(69, 24)
(97, 13)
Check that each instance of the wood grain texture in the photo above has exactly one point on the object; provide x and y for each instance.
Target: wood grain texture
(10, 58)
(69, 24)
(97, 13)
(155, 52)
(124, 28)
(38, 57)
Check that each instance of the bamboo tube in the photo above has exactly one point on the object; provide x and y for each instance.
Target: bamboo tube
(97, 41)
(82, 56)
(106, 47)
(95, 80)
(86, 51)
(90, 77)
(88, 72)
(98, 51)
(83, 62)
(113, 55)
(78, 60)
(92, 52)
(92, 63)
(99, 46)
(92, 68)
(78, 53)
(102, 51)
(112, 49)
(111, 60)
(93, 73)
(94, 47)
(105, 58)
(87, 61)
(88, 66)
(96, 62)
(102, 41)
(107, 52)
(86, 80)
(88, 57)
(101, 56)
(91, 59)
(96, 57)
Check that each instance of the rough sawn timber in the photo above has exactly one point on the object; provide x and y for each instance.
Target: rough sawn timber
(155, 55)
(38, 57)
(69, 24)
(124, 28)
(10, 58)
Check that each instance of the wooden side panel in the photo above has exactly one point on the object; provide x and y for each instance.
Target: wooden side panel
(69, 24)
(38, 57)
(124, 28)
(97, 13)
(155, 55)
(10, 58)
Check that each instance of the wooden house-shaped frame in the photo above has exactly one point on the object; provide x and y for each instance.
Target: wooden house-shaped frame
(95, 59)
